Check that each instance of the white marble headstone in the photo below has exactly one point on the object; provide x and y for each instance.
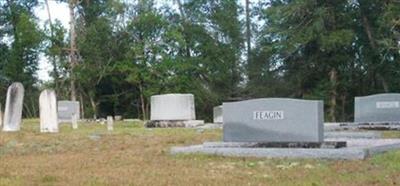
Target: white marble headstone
(110, 123)
(48, 111)
(74, 119)
(13, 109)
(172, 107)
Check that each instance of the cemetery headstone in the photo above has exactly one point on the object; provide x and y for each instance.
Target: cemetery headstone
(273, 120)
(13, 110)
(378, 108)
(173, 110)
(172, 107)
(74, 121)
(217, 112)
(110, 123)
(118, 118)
(48, 111)
(66, 109)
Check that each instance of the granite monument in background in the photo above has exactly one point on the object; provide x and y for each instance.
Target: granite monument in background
(378, 108)
(66, 109)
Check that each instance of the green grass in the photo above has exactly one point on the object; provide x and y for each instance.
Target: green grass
(134, 155)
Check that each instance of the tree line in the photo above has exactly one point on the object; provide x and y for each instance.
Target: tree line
(118, 53)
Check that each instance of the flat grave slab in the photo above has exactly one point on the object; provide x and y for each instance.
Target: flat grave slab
(356, 149)
(353, 134)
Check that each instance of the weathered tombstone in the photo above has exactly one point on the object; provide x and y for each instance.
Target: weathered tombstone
(13, 109)
(172, 107)
(110, 123)
(74, 121)
(173, 110)
(48, 111)
(118, 118)
(66, 109)
(217, 112)
(273, 120)
(378, 108)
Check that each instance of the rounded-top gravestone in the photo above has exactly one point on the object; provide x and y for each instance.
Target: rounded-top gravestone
(48, 111)
(172, 107)
(13, 109)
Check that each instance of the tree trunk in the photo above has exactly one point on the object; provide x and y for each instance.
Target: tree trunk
(333, 79)
(82, 106)
(53, 57)
(94, 106)
(383, 81)
(142, 102)
(343, 100)
(248, 31)
(72, 54)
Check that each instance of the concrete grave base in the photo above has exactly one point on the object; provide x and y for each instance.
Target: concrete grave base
(353, 134)
(362, 126)
(356, 149)
(174, 123)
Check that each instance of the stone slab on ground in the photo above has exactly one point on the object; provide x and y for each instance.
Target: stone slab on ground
(353, 134)
(327, 144)
(356, 149)
(362, 126)
(210, 126)
(174, 124)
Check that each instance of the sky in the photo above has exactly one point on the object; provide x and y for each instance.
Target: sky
(58, 11)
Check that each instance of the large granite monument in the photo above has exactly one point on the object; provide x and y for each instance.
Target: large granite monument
(13, 109)
(48, 111)
(173, 110)
(273, 120)
(286, 128)
(378, 108)
(66, 109)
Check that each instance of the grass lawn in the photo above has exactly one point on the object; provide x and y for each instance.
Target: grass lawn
(133, 155)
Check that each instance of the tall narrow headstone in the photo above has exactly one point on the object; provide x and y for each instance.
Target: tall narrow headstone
(217, 111)
(110, 123)
(13, 109)
(48, 111)
(74, 119)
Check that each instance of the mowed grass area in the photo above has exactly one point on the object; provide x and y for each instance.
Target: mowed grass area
(134, 155)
